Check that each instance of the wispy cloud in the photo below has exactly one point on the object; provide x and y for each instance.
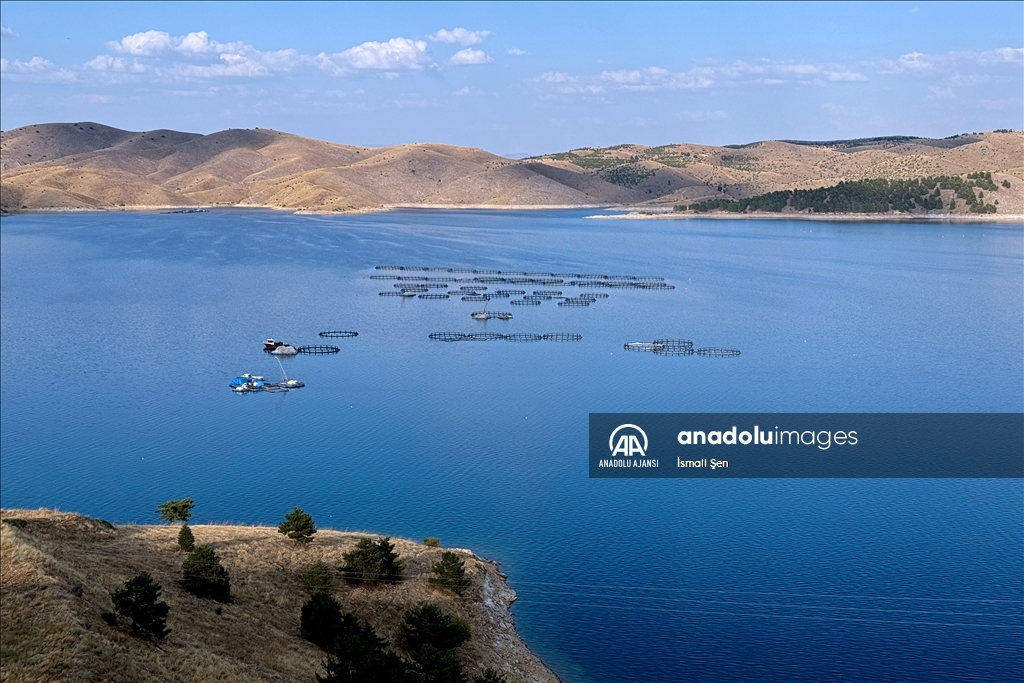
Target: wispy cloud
(459, 36)
(469, 56)
(515, 52)
(35, 69)
(654, 78)
(7, 31)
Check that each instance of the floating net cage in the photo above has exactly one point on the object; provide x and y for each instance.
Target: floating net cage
(500, 315)
(411, 288)
(717, 352)
(510, 292)
(391, 294)
(436, 285)
(339, 334)
(482, 297)
(547, 292)
(385, 277)
(499, 295)
(476, 288)
(318, 349)
(537, 297)
(578, 303)
(524, 302)
(674, 343)
(672, 351)
(447, 336)
(515, 337)
(434, 296)
(642, 346)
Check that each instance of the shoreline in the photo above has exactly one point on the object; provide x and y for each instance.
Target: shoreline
(82, 559)
(630, 213)
(640, 215)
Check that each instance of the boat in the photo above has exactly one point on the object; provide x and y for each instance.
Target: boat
(271, 344)
(246, 383)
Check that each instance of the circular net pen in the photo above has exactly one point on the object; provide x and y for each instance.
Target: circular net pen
(411, 288)
(717, 352)
(524, 302)
(673, 351)
(339, 334)
(436, 285)
(484, 336)
(590, 283)
(642, 346)
(675, 343)
(436, 297)
(562, 337)
(318, 349)
(447, 336)
(523, 337)
(471, 297)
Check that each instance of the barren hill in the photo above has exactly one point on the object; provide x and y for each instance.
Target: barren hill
(89, 166)
(59, 570)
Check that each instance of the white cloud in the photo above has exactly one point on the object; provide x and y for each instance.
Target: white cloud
(460, 36)
(515, 52)
(941, 93)
(556, 77)
(7, 31)
(1008, 55)
(106, 63)
(461, 91)
(469, 56)
(143, 44)
(35, 69)
(395, 54)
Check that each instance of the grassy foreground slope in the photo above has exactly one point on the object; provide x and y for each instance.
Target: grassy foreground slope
(57, 571)
(89, 166)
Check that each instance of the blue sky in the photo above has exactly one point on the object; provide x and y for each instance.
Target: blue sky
(519, 78)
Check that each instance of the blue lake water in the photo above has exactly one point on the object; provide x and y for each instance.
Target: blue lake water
(120, 332)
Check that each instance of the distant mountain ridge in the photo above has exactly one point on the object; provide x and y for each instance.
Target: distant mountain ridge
(68, 166)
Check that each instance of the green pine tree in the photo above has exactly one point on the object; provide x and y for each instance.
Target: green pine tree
(374, 562)
(186, 541)
(298, 526)
(204, 576)
(136, 599)
(451, 573)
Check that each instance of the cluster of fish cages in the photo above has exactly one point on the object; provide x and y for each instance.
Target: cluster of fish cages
(515, 337)
(339, 334)
(679, 347)
(318, 349)
(487, 315)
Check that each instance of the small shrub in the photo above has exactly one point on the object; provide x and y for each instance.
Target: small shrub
(109, 617)
(1006, 183)
(428, 625)
(490, 676)
(203, 575)
(176, 510)
(298, 526)
(374, 562)
(137, 600)
(450, 573)
(318, 578)
(432, 542)
(186, 541)
(16, 523)
(105, 524)
(320, 622)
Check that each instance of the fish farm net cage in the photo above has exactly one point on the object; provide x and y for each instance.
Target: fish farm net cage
(717, 352)
(473, 297)
(339, 334)
(674, 343)
(391, 294)
(524, 302)
(580, 303)
(641, 346)
(515, 337)
(318, 349)
(547, 292)
(434, 296)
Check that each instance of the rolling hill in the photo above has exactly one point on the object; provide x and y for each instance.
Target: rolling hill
(68, 166)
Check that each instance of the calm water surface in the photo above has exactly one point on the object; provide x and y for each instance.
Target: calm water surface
(120, 332)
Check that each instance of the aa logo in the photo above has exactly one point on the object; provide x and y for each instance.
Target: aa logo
(628, 443)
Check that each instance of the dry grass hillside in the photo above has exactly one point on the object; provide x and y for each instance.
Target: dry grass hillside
(89, 166)
(85, 165)
(59, 569)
